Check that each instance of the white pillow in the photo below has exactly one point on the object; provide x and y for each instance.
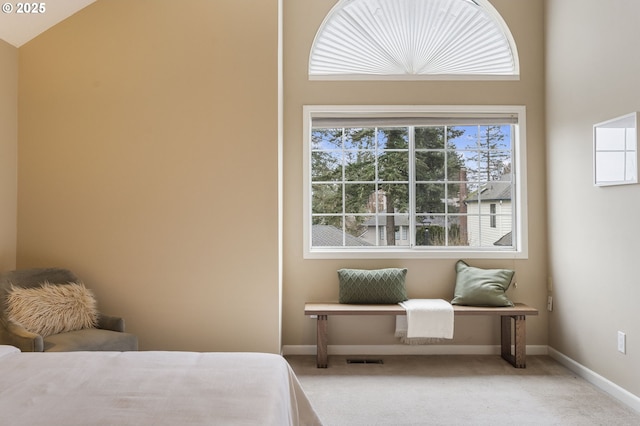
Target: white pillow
(52, 308)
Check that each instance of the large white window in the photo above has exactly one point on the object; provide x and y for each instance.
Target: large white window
(409, 181)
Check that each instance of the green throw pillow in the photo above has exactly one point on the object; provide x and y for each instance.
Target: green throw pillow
(481, 287)
(377, 286)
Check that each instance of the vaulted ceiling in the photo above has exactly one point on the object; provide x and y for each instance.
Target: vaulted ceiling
(18, 27)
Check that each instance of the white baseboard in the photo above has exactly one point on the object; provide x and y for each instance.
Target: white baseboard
(407, 349)
(619, 393)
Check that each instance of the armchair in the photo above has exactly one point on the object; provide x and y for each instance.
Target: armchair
(108, 335)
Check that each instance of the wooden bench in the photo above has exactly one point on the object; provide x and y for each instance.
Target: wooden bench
(508, 336)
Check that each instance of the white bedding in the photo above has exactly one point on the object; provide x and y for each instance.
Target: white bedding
(150, 388)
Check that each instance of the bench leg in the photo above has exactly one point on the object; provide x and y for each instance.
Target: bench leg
(518, 359)
(321, 342)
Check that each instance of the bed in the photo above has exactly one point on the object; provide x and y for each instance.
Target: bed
(150, 388)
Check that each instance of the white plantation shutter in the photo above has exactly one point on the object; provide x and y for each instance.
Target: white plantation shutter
(413, 39)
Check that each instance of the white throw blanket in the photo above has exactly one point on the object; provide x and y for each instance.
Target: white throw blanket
(427, 321)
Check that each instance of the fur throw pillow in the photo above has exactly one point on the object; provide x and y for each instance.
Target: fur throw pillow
(52, 308)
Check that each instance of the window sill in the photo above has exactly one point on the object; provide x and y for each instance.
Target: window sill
(414, 254)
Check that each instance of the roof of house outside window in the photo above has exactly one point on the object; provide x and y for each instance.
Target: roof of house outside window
(492, 191)
(400, 220)
(505, 240)
(330, 236)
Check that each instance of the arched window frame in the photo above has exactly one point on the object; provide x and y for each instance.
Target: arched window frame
(347, 45)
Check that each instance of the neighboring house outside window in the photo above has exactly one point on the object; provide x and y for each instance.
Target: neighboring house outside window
(492, 215)
(400, 231)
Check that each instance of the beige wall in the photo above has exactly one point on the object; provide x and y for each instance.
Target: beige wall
(148, 163)
(8, 154)
(316, 280)
(592, 76)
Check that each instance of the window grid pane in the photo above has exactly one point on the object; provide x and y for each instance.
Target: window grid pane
(458, 181)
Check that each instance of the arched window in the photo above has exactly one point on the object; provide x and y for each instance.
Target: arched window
(413, 40)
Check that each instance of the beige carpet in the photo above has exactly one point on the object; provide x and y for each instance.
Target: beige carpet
(455, 390)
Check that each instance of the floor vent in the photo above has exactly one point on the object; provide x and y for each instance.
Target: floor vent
(364, 361)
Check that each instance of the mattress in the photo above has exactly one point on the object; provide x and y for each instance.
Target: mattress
(150, 388)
